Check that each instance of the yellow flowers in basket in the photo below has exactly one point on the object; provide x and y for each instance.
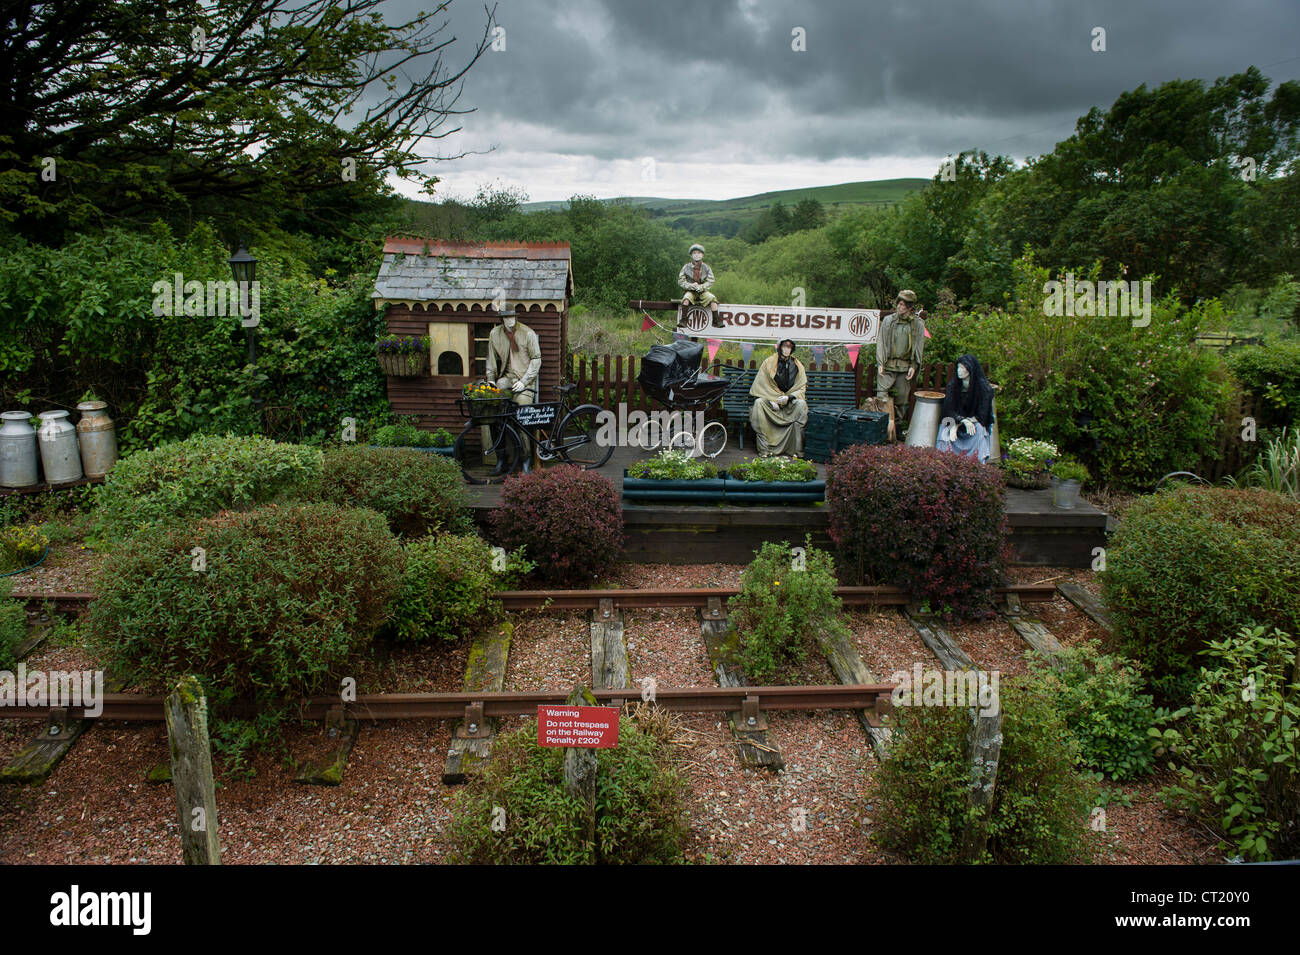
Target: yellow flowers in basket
(482, 391)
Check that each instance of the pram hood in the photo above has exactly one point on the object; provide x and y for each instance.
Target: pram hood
(668, 365)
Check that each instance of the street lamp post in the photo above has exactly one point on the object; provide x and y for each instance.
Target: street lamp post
(244, 267)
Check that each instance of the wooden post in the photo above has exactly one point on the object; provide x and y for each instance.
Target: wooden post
(580, 770)
(196, 800)
(984, 745)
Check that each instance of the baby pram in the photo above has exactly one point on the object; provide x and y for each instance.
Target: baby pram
(670, 374)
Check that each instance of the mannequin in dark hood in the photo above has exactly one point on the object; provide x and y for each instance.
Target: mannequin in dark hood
(966, 418)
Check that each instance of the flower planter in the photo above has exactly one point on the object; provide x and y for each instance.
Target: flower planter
(1065, 494)
(722, 489)
(774, 492)
(404, 364)
(1028, 482)
(701, 490)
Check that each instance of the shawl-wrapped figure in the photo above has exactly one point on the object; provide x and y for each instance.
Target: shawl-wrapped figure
(966, 418)
(779, 413)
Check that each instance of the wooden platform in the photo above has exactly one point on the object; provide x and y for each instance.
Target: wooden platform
(1041, 534)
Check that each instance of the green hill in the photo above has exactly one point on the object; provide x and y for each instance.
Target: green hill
(728, 216)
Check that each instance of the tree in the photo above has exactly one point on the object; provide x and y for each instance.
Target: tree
(225, 108)
(808, 214)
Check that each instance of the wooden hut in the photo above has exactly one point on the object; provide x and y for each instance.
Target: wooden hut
(446, 290)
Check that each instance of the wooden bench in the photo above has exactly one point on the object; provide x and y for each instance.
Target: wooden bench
(837, 389)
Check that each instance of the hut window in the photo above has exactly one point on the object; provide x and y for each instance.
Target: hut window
(481, 333)
(449, 363)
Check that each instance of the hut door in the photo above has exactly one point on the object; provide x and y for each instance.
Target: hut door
(450, 348)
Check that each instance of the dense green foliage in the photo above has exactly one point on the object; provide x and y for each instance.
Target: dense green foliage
(82, 315)
(1273, 373)
(569, 521)
(786, 606)
(13, 625)
(198, 477)
(773, 469)
(640, 805)
(449, 586)
(1237, 745)
(1100, 696)
(1040, 803)
(1190, 564)
(409, 436)
(419, 493)
(924, 520)
(286, 598)
(1132, 403)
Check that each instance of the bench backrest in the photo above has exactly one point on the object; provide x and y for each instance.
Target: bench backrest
(824, 388)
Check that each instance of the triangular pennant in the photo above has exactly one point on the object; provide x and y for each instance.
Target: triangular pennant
(648, 324)
(927, 333)
(853, 354)
(819, 352)
(746, 351)
(714, 345)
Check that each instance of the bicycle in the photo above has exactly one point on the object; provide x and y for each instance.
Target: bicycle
(571, 436)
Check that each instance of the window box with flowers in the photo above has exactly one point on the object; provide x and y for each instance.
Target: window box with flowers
(403, 357)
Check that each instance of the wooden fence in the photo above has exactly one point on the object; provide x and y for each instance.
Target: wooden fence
(611, 379)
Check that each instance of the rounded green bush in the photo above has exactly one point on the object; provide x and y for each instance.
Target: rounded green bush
(1189, 565)
(419, 493)
(448, 587)
(1102, 701)
(786, 603)
(198, 477)
(640, 805)
(1040, 802)
(279, 601)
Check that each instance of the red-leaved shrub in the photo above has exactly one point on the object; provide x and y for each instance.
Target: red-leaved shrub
(569, 521)
(927, 521)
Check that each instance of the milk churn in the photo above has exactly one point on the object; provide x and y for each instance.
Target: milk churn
(17, 450)
(98, 438)
(923, 432)
(59, 453)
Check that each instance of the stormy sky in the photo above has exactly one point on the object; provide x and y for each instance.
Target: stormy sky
(709, 99)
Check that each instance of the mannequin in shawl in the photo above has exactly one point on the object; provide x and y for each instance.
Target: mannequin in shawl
(779, 413)
(967, 414)
(513, 362)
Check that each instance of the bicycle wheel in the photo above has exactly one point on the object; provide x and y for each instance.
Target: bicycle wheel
(505, 444)
(578, 433)
(713, 438)
(645, 435)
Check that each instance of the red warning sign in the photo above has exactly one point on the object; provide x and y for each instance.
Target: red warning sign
(594, 727)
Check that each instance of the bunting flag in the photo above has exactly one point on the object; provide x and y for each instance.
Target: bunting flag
(819, 352)
(648, 324)
(714, 345)
(927, 333)
(746, 351)
(853, 354)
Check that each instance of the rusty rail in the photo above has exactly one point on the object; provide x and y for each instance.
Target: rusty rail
(445, 706)
(625, 598)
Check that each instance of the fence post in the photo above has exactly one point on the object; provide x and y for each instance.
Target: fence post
(186, 710)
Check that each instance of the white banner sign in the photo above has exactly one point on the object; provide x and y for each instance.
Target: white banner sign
(845, 326)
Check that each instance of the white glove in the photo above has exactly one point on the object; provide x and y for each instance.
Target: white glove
(968, 425)
(784, 399)
(774, 402)
(517, 387)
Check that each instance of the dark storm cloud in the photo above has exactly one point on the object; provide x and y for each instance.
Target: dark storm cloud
(611, 79)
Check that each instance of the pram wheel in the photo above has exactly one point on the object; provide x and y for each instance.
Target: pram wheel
(713, 438)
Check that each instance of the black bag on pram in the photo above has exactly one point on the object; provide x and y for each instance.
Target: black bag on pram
(669, 365)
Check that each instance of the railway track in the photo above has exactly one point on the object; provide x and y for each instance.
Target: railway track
(68, 602)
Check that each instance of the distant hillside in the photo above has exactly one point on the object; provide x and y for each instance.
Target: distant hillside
(728, 216)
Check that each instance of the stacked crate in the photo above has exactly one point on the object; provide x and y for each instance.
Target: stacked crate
(833, 429)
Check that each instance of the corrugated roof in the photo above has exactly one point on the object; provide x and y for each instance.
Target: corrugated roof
(420, 269)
